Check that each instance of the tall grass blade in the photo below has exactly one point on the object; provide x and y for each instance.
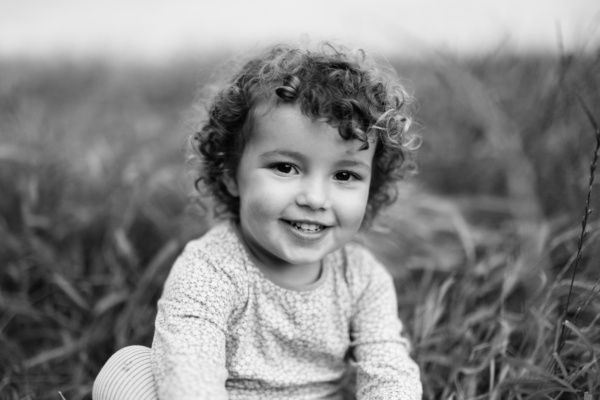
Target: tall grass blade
(587, 211)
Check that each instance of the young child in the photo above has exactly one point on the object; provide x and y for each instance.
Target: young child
(300, 150)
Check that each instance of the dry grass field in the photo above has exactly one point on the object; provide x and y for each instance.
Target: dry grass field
(496, 285)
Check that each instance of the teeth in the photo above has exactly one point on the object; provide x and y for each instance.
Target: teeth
(307, 227)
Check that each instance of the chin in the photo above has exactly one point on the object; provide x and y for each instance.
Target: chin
(305, 257)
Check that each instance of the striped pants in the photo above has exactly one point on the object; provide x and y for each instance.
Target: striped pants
(127, 375)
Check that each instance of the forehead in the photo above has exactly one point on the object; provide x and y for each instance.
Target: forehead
(276, 126)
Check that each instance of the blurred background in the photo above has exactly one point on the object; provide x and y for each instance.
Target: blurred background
(156, 31)
(484, 244)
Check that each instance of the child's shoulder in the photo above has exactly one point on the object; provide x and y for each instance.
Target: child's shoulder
(219, 247)
(362, 271)
(360, 260)
(211, 268)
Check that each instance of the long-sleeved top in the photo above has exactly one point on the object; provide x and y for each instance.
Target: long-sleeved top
(224, 330)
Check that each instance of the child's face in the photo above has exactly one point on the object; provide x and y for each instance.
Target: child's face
(303, 189)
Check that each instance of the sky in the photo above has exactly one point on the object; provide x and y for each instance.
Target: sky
(156, 30)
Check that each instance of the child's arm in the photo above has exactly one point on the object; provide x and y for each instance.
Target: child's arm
(384, 367)
(188, 351)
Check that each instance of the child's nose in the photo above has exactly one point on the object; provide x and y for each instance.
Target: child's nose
(314, 194)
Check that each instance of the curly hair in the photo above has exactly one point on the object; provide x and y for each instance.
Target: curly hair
(348, 90)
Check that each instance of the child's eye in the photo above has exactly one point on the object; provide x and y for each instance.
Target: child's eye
(346, 176)
(285, 169)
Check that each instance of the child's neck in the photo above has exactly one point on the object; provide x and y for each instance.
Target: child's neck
(291, 276)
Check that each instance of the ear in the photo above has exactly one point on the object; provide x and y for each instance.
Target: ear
(231, 184)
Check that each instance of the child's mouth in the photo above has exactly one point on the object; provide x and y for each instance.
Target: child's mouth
(306, 227)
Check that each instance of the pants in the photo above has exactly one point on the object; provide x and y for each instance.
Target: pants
(127, 375)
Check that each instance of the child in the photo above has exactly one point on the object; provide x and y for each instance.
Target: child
(300, 150)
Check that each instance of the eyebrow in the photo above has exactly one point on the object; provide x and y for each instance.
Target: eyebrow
(354, 163)
(299, 156)
(289, 153)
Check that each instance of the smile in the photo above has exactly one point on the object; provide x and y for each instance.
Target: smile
(308, 227)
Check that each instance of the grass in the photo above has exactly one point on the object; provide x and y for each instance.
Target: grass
(487, 246)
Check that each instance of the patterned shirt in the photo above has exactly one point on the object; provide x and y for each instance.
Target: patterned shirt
(224, 330)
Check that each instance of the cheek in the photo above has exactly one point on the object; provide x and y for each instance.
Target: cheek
(352, 208)
(261, 198)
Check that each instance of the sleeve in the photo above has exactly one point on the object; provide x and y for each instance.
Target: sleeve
(188, 350)
(385, 369)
